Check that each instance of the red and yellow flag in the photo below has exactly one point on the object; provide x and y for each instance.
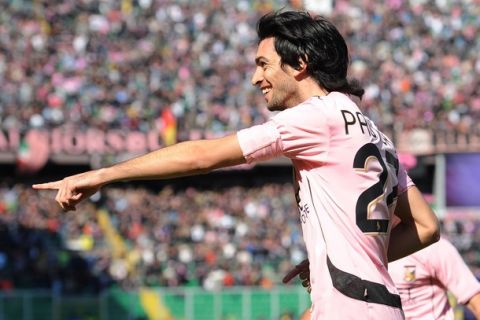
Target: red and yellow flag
(169, 127)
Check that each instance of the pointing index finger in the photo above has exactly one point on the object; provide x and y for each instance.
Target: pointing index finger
(47, 185)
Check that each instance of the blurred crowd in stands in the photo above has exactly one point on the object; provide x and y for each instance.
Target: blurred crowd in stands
(134, 237)
(119, 64)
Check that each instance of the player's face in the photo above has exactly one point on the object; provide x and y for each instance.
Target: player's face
(278, 85)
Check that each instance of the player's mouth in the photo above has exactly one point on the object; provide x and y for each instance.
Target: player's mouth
(265, 92)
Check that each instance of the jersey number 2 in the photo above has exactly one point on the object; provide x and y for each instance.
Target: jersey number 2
(370, 197)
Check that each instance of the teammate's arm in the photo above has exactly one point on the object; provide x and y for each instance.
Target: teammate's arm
(419, 227)
(182, 159)
(474, 305)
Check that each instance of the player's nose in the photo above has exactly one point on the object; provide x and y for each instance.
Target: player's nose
(257, 76)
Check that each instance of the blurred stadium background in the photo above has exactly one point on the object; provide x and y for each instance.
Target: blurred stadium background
(86, 83)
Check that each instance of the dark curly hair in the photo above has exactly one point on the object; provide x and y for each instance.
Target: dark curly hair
(314, 40)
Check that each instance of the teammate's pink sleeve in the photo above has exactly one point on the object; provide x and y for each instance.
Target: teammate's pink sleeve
(451, 271)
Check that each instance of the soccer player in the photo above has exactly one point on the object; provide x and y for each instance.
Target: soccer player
(347, 176)
(423, 279)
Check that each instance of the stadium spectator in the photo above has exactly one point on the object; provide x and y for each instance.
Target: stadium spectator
(301, 69)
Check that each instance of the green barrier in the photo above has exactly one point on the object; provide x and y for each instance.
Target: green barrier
(242, 303)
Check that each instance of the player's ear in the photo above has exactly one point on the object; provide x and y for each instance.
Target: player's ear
(301, 69)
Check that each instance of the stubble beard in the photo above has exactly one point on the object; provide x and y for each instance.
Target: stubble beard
(279, 103)
(275, 107)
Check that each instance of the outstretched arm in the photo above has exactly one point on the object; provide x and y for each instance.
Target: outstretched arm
(182, 159)
(419, 227)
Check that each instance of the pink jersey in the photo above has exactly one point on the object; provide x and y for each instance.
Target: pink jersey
(424, 278)
(347, 178)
